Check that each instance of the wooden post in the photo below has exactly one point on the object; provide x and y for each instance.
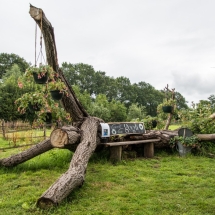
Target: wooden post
(115, 153)
(3, 129)
(149, 150)
(44, 131)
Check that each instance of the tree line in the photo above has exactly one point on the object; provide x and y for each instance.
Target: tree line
(112, 99)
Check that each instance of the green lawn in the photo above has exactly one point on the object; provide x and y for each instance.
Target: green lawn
(167, 184)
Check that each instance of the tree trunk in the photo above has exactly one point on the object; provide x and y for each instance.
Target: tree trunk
(168, 121)
(75, 175)
(32, 152)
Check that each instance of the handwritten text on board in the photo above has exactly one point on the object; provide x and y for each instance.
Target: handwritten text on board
(126, 128)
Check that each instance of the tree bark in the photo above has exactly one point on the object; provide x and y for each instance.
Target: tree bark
(75, 175)
(32, 152)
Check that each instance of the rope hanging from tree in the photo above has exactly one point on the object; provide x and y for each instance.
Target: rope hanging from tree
(41, 42)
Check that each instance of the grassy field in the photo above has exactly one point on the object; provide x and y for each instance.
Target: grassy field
(167, 184)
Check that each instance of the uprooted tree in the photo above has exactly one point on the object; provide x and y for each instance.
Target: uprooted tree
(82, 133)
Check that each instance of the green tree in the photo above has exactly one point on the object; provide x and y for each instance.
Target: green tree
(118, 111)
(83, 97)
(136, 111)
(149, 97)
(80, 74)
(125, 91)
(211, 98)
(100, 108)
(180, 101)
(8, 60)
(9, 92)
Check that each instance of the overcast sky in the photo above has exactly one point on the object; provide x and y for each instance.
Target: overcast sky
(159, 42)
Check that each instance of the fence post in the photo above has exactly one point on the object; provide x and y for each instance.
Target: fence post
(44, 131)
(3, 129)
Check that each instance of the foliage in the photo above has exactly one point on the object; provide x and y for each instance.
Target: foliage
(41, 71)
(33, 98)
(9, 92)
(101, 112)
(149, 122)
(57, 85)
(41, 96)
(186, 141)
(198, 118)
(81, 75)
(136, 111)
(117, 111)
(180, 101)
(161, 116)
(46, 105)
(113, 111)
(83, 97)
(148, 97)
(8, 60)
(169, 102)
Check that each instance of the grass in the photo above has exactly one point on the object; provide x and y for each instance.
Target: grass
(167, 184)
(173, 127)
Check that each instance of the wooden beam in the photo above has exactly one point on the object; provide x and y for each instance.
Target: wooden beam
(131, 142)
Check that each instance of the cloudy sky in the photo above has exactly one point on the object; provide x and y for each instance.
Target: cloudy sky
(156, 41)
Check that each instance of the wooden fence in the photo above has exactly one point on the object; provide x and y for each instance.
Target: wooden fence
(17, 133)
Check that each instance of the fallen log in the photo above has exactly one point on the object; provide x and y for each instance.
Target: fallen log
(30, 153)
(206, 136)
(163, 135)
(66, 135)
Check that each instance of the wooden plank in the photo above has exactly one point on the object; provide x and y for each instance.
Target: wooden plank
(126, 128)
(131, 142)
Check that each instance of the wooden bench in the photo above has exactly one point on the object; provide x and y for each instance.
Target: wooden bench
(126, 129)
(116, 148)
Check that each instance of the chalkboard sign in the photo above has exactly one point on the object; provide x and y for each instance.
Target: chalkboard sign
(126, 128)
